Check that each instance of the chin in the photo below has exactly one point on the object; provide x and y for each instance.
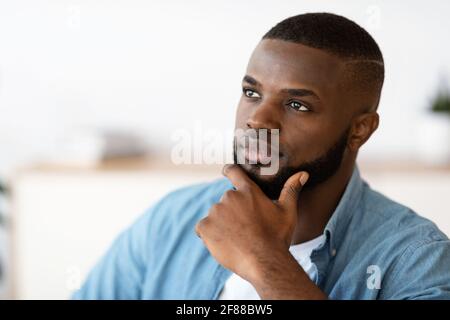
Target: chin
(271, 185)
(254, 171)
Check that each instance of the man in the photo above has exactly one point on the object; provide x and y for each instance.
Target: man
(312, 230)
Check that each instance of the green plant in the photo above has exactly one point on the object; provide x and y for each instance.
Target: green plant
(2, 192)
(2, 188)
(441, 103)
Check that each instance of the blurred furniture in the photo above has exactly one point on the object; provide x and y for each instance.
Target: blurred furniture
(65, 218)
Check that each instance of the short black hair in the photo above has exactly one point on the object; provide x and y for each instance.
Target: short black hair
(339, 36)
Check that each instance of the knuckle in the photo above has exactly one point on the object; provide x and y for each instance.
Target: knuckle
(202, 224)
(226, 169)
(198, 228)
(228, 195)
(215, 207)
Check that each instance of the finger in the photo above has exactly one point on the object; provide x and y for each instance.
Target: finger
(291, 189)
(199, 227)
(197, 231)
(237, 176)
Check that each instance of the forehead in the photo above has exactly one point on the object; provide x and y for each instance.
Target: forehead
(281, 64)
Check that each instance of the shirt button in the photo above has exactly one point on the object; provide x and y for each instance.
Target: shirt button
(333, 252)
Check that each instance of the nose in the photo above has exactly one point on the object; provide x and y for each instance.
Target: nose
(264, 116)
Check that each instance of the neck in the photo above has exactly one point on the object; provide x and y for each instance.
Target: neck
(317, 205)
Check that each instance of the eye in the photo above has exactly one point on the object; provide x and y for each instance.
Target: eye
(250, 93)
(298, 106)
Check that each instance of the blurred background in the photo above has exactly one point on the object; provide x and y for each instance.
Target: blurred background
(93, 95)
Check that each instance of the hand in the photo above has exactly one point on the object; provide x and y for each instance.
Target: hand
(245, 228)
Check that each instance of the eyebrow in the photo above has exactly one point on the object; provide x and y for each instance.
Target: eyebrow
(293, 92)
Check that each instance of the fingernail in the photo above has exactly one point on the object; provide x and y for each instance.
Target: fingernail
(303, 178)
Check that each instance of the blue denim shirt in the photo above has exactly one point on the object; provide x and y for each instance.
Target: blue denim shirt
(375, 248)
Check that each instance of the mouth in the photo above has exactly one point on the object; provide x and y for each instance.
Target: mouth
(258, 152)
(256, 157)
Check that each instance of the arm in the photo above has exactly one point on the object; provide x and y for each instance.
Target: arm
(283, 278)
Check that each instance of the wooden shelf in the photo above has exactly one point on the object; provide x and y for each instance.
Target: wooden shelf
(145, 164)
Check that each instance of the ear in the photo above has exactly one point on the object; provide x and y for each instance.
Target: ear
(362, 128)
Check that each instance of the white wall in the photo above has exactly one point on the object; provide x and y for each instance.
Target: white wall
(154, 66)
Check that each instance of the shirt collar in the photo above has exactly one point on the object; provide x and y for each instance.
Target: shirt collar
(338, 223)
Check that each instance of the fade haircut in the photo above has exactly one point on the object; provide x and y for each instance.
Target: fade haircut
(343, 38)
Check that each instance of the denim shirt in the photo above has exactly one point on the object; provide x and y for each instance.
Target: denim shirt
(375, 248)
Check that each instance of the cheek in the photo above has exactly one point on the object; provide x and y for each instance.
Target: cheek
(242, 114)
(305, 142)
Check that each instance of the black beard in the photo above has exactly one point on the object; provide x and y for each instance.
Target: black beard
(320, 169)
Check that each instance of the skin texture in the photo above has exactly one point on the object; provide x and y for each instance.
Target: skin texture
(246, 231)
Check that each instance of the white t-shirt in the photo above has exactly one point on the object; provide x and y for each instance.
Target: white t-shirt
(237, 288)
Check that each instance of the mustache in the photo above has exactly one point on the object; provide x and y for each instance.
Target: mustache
(259, 144)
(259, 140)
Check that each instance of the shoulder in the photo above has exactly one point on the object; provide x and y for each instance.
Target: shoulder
(394, 221)
(413, 252)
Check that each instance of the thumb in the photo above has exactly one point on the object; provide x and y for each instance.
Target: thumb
(291, 189)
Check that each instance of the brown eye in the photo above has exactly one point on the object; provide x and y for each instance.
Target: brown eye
(250, 93)
(298, 106)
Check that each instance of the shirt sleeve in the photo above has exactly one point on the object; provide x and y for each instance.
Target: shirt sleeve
(422, 273)
(120, 272)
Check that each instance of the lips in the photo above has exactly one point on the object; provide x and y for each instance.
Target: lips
(258, 152)
(254, 156)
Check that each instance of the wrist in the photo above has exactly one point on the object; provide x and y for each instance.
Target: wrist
(273, 261)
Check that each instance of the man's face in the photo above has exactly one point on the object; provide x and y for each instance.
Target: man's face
(313, 120)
